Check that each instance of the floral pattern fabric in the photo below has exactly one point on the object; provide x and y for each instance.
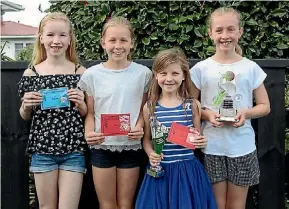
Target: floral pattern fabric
(54, 131)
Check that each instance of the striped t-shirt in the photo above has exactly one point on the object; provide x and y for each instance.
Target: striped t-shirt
(173, 152)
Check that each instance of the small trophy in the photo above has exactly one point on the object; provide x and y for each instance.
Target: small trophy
(224, 98)
(159, 135)
(227, 110)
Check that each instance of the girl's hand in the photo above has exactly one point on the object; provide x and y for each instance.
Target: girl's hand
(241, 117)
(30, 100)
(155, 159)
(195, 131)
(136, 133)
(76, 96)
(213, 116)
(93, 138)
(199, 141)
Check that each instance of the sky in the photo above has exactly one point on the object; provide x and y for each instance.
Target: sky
(31, 15)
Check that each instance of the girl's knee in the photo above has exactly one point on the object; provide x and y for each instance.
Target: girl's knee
(108, 205)
(235, 207)
(221, 204)
(46, 206)
(124, 206)
(235, 204)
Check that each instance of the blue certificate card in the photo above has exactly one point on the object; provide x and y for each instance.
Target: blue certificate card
(54, 98)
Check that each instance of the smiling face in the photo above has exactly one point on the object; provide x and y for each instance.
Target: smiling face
(225, 31)
(55, 37)
(117, 42)
(170, 78)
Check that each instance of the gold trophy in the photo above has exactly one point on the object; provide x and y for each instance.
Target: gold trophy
(224, 99)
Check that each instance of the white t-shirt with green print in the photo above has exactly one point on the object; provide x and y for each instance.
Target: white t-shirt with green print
(209, 76)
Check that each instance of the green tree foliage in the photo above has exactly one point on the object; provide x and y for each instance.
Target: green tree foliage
(4, 57)
(163, 24)
(25, 54)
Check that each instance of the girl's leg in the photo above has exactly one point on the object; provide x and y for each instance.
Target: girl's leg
(70, 184)
(236, 196)
(71, 169)
(105, 186)
(216, 167)
(127, 179)
(220, 192)
(46, 187)
(243, 171)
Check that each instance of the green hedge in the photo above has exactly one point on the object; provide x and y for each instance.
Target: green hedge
(163, 24)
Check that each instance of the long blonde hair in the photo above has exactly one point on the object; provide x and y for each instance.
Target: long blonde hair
(39, 52)
(119, 21)
(164, 59)
(223, 10)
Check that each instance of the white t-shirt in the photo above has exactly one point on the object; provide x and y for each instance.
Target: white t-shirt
(116, 92)
(207, 76)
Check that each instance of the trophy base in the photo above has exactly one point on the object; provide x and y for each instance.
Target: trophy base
(155, 174)
(227, 119)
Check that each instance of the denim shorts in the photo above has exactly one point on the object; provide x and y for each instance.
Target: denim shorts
(74, 162)
(107, 159)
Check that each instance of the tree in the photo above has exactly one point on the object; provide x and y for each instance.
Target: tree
(163, 24)
(25, 54)
(4, 57)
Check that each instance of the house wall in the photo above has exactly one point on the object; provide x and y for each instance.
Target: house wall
(9, 48)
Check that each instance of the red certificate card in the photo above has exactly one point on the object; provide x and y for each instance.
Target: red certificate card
(115, 124)
(181, 135)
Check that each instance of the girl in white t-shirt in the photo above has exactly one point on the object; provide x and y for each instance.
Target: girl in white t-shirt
(230, 156)
(117, 86)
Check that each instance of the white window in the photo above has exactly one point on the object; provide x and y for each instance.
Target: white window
(28, 44)
(18, 48)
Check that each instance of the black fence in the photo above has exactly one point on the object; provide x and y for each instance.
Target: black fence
(270, 137)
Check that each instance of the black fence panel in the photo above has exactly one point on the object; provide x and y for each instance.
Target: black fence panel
(269, 194)
(14, 134)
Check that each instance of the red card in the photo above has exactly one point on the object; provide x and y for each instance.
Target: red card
(115, 124)
(181, 135)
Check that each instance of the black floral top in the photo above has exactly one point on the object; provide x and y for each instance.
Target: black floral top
(54, 131)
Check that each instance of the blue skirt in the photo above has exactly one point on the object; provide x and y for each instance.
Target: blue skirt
(185, 185)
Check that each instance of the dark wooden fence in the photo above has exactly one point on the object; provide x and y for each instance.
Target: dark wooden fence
(269, 194)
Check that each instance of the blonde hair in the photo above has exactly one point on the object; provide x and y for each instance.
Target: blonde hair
(164, 59)
(39, 52)
(119, 21)
(223, 10)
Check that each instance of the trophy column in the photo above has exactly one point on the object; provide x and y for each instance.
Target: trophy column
(158, 140)
(227, 109)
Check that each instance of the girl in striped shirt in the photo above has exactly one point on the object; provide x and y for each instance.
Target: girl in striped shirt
(185, 183)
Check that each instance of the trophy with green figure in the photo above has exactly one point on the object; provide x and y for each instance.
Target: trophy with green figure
(227, 108)
(159, 135)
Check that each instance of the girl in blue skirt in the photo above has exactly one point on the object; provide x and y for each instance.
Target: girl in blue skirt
(185, 184)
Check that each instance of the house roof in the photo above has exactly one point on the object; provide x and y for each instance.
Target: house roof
(10, 28)
(7, 6)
